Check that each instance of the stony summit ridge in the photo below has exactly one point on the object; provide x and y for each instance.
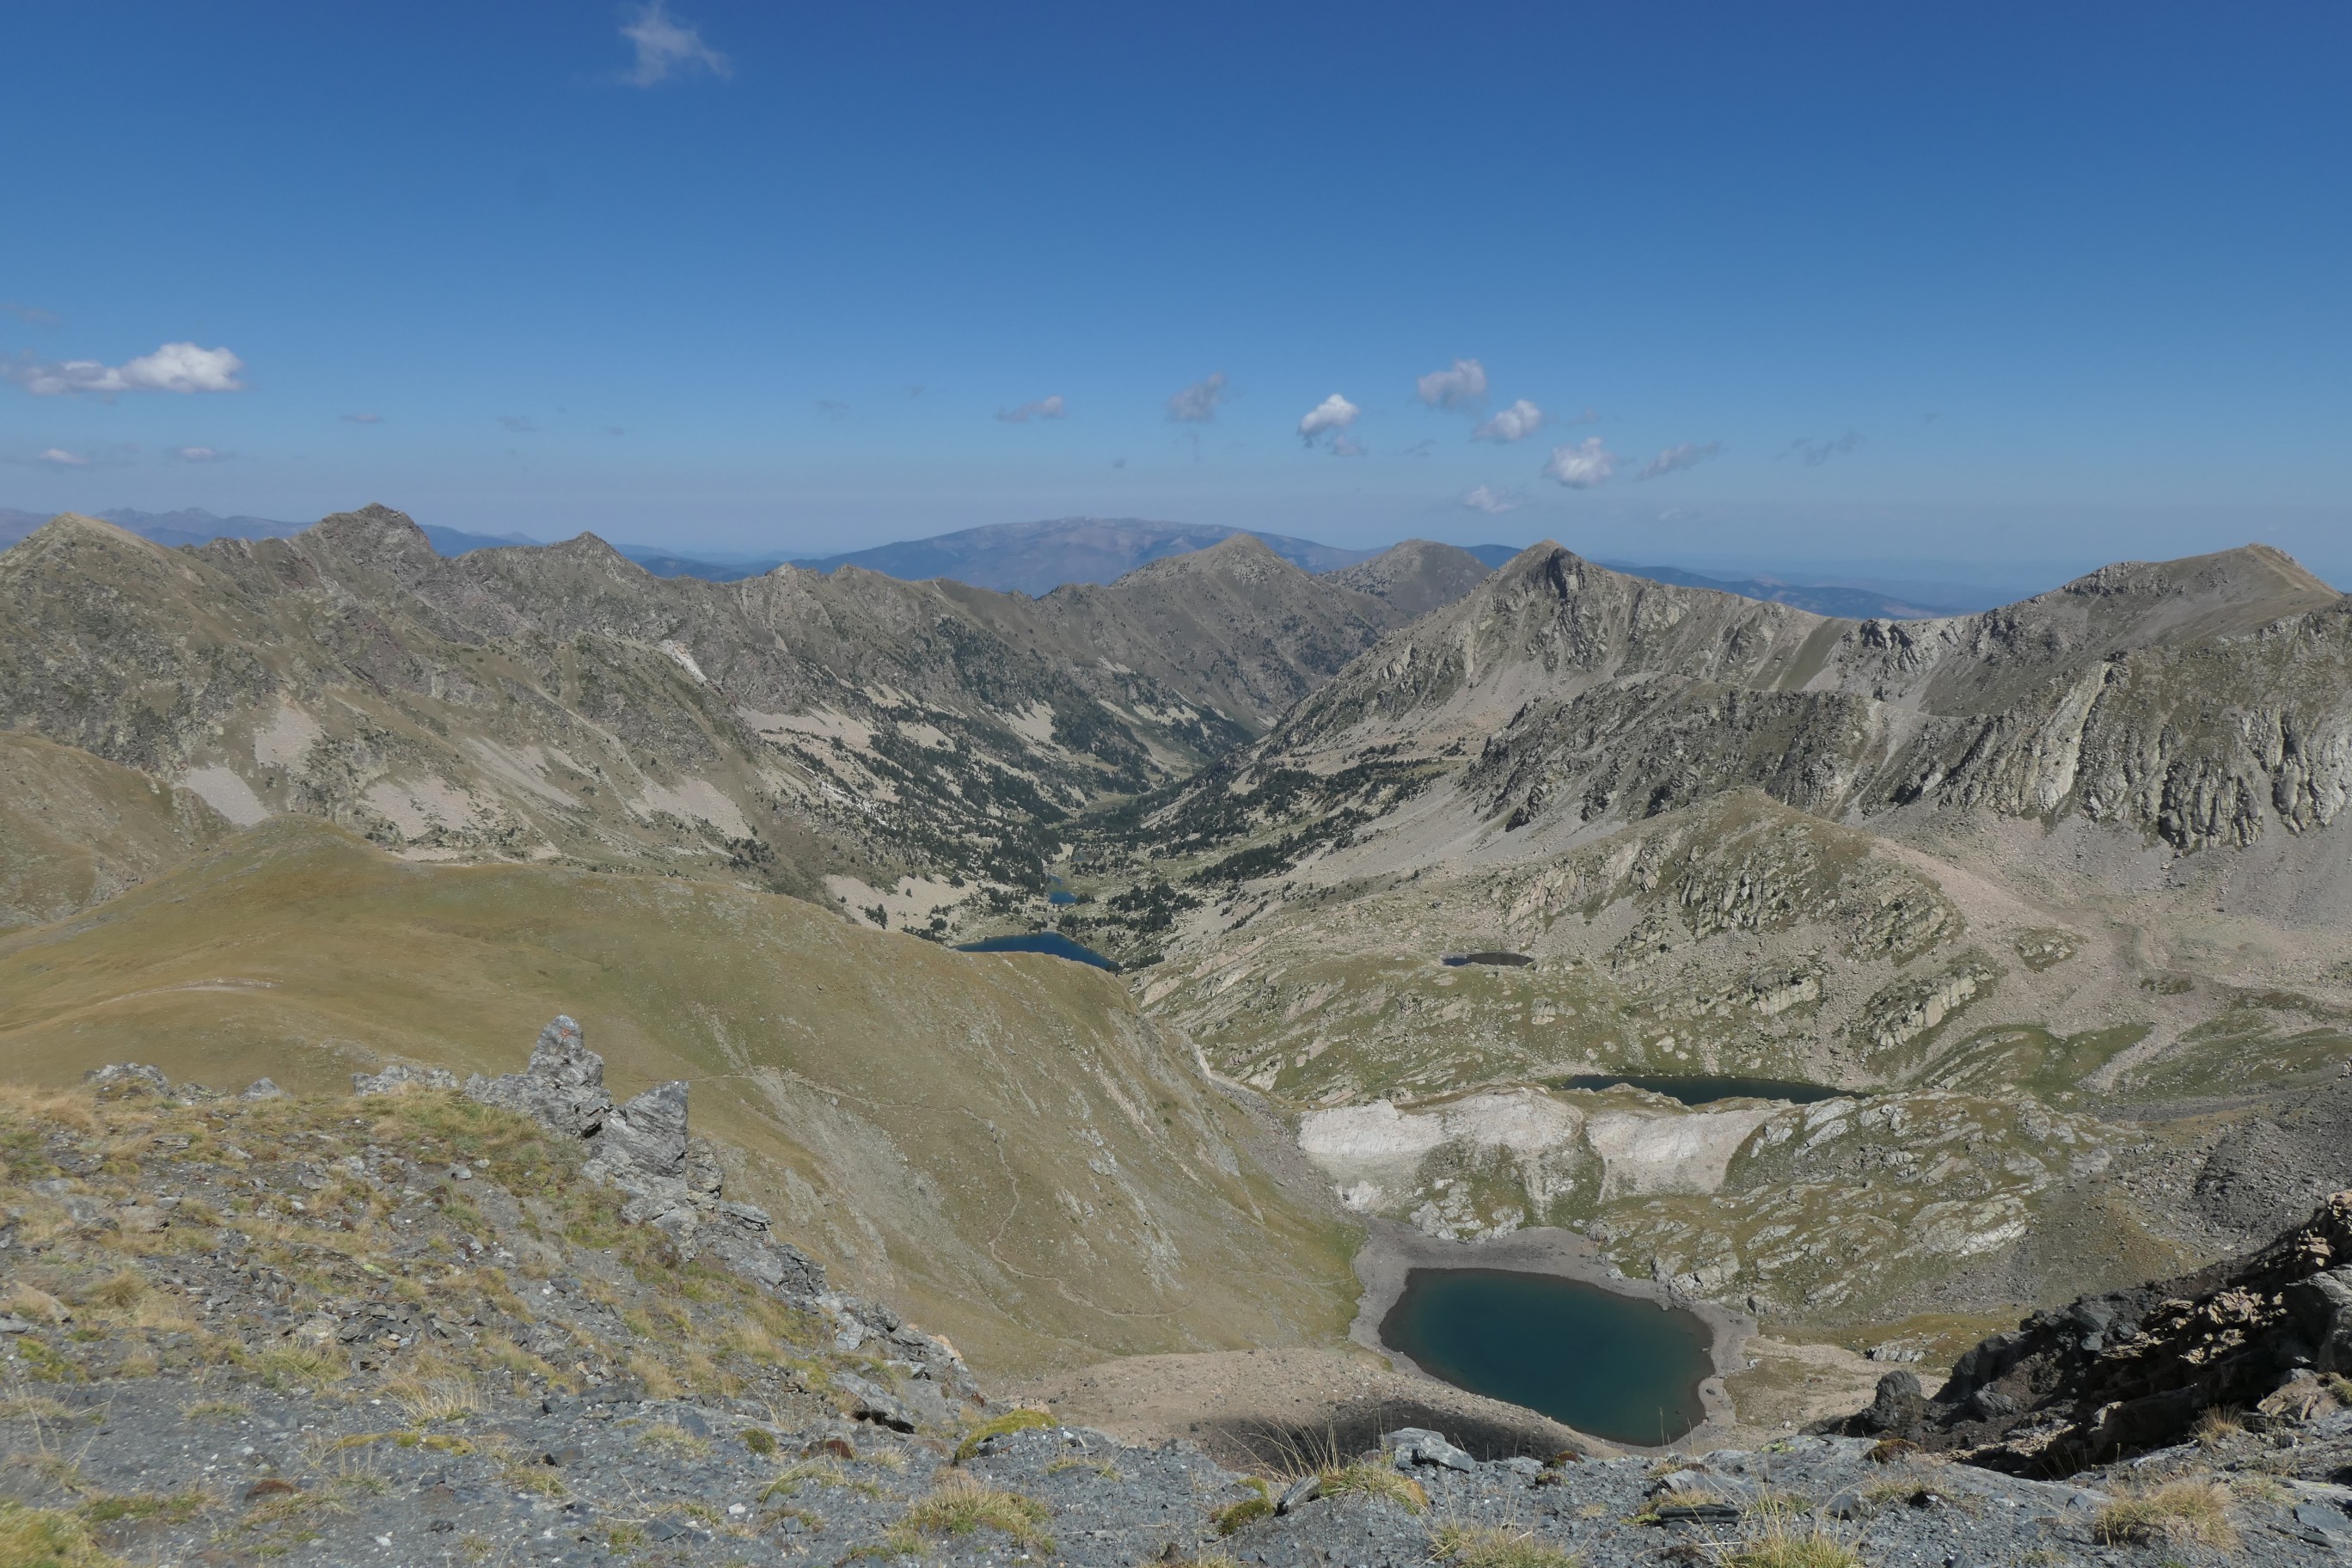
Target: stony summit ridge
(1952, 1013)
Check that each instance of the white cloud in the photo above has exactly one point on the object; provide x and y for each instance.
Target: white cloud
(200, 454)
(1464, 386)
(1334, 414)
(1346, 446)
(1517, 423)
(1197, 404)
(363, 418)
(1689, 455)
(58, 457)
(175, 367)
(1042, 408)
(667, 49)
(1582, 466)
(1492, 502)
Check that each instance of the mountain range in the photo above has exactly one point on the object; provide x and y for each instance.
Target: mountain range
(2049, 899)
(1033, 558)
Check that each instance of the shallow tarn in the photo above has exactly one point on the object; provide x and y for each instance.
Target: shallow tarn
(1049, 941)
(1706, 1089)
(1604, 1362)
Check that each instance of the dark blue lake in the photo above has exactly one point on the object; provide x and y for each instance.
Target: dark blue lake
(1699, 1090)
(1613, 1365)
(1058, 897)
(1051, 942)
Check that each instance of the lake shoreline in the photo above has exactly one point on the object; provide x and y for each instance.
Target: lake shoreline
(1391, 1251)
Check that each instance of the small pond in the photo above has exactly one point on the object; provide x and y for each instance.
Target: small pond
(1061, 896)
(1051, 942)
(1499, 960)
(1705, 1090)
(1609, 1364)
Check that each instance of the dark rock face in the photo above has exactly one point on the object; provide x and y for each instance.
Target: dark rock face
(2115, 1374)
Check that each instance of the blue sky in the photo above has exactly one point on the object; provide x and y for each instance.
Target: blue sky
(2023, 284)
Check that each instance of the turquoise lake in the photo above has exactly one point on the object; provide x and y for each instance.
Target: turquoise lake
(1614, 1365)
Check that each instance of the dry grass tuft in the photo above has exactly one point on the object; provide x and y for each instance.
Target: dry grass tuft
(960, 1506)
(121, 1290)
(2185, 1512)
(1784, 1543)
(2216, 1424)
(291, 1366)
(1496, 1546)
(34, 1407)
(1021, 1420)
(1362, 1478)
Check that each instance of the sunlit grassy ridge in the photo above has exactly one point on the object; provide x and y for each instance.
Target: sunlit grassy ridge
(999, 1143)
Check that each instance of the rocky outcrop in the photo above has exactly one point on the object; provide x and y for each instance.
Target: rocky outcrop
(2115, 1374)
(674, 1182)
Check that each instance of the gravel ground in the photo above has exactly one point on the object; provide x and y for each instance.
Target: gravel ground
(199, 1472)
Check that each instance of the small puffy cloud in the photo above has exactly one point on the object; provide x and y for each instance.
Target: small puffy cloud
(31, 315)
(1042, 408)
(519, 424)
(1346, 446)
(1492, 502)
(1517, 423)
(1673, 459)
(175, 367)
(1331, 416)
(59, 458)
(363, 418)
(1462, 387)
(1814, 454)
(199, 455)
(1198, 403)
(668, 48)
(1582, 466)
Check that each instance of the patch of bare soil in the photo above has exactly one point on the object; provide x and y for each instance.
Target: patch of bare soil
(1793, 1384)
(1288, 1407)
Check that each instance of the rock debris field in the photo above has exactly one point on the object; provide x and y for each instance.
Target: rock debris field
(431, 1324)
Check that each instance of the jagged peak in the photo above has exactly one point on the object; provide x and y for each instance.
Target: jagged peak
(374, 529)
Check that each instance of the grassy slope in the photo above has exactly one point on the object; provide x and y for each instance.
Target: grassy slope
(998, 1143)
(76, 830)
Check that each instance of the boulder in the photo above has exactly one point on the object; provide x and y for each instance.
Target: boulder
(396, 1078)
(1419, 1445)
(136, 1076)
(1898, 1407)
(562, 1090)
(647, 1136)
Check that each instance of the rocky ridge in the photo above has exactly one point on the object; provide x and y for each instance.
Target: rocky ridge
(308, 1337)
(562, 703)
